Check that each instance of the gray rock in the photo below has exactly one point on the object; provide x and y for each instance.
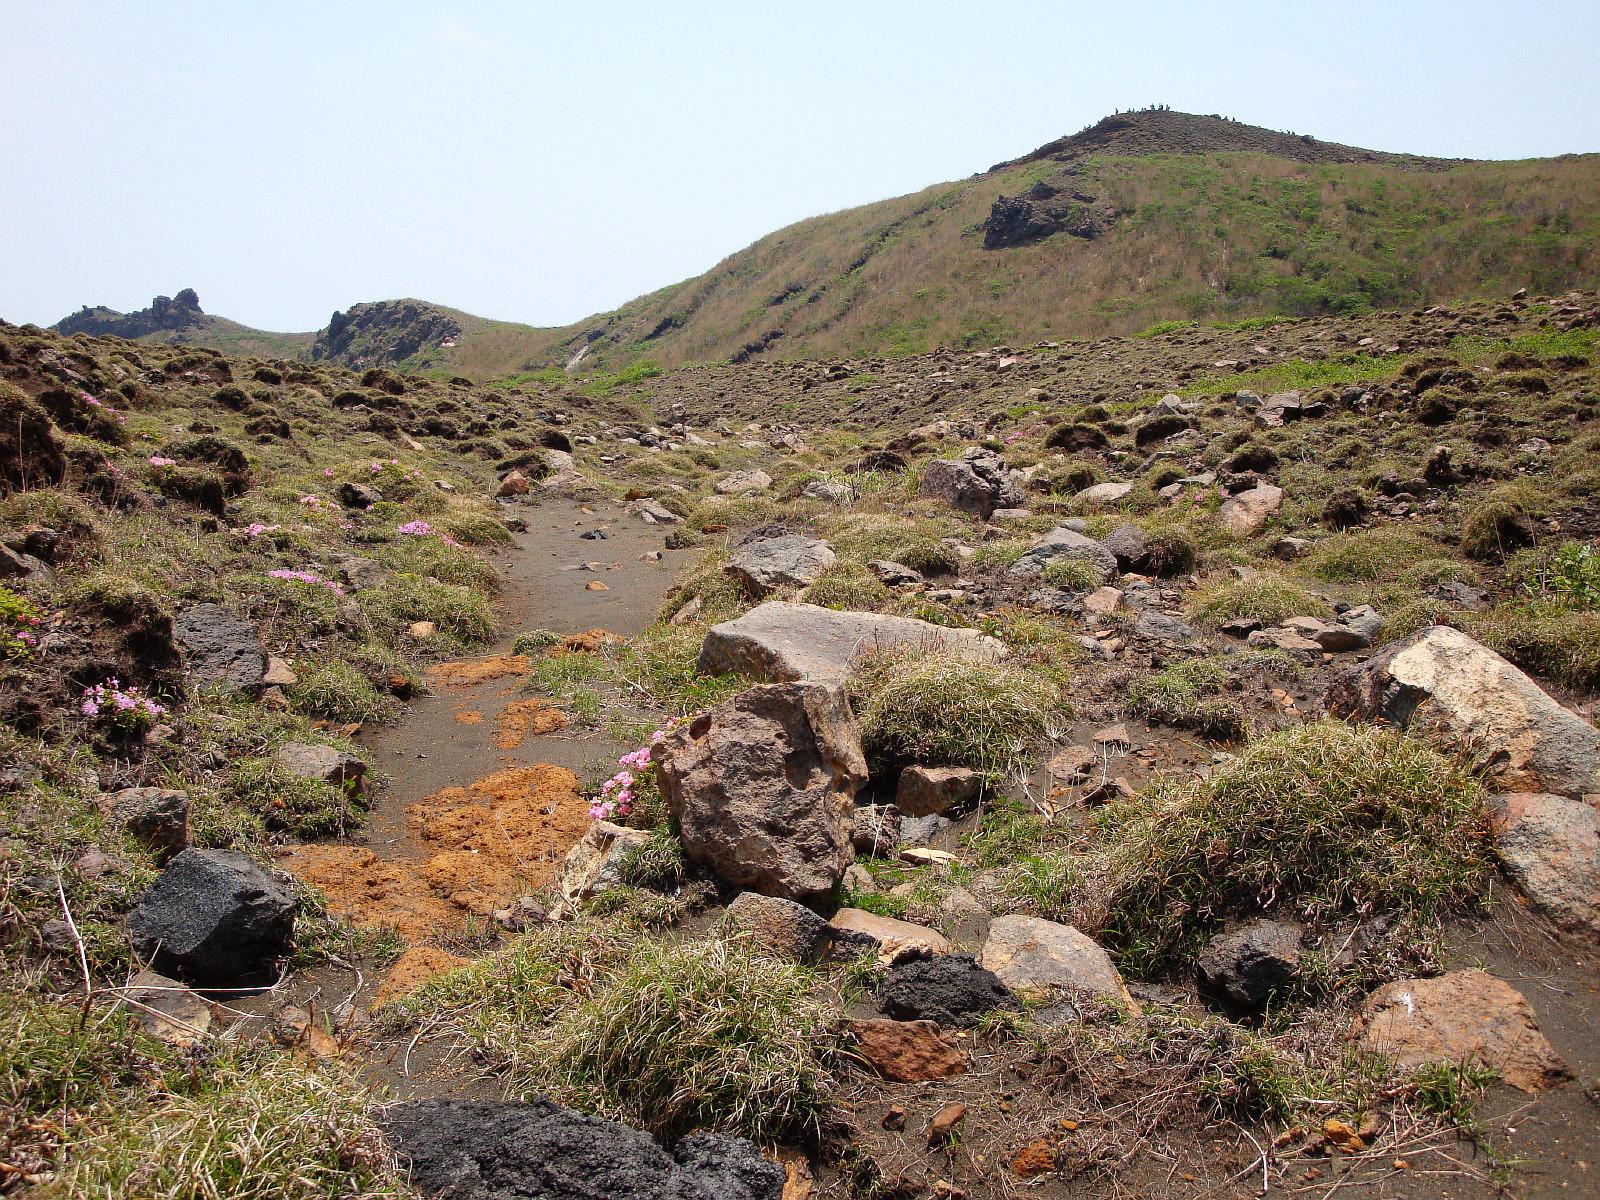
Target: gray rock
(829, 492)
(593, 864)
(923, 791)
(1464, 695)
(1244, 966)
(359, 495)
(780, 641)
(893, 574)
(539, 1150)
(214, 917)
(782, 926)
(921, 831)
(156, 817)
(1126, 543)
(1103, 493)
(772, 563)
(220, 649)
(978, 482)
(1161, 627)
(325, 764)
(1248, 511)
(763, 785)
(1063, 542)
(744, 483)
(651, 512)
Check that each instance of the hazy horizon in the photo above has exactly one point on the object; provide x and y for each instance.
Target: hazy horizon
(538, 164)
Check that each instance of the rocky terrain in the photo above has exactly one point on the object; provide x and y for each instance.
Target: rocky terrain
(1156, 765)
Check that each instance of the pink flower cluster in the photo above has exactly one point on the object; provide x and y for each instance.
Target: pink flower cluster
(617, 793)
(415, 529)
(106, 408)
(310, 577)
(158, 460)
(375, 466)
(314, 502)
(256, 528)
(127, 708)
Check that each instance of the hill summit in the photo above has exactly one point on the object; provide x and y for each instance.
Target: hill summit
(166, 314)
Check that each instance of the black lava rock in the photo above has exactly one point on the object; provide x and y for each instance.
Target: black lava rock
(214, 917)
(1242, 967)
(542, 1151)
(951, 989)
(220, 648)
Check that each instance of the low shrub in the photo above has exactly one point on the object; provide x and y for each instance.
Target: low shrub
(943, 709)
(927, 555)
(1187, 695)
(339, 692)
(1265, 597)
(847, 584)
(1319, 820)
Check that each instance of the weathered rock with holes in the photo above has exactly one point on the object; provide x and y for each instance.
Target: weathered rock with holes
(1030, 954)
(1245, 965)
(1456, 1017)
(907, 1051)
(922, 791)
(782, 926)
(1063, 542)
(877, 830)
(1550, 846)
(763, 785)
(220, 649)
(593, 865)
(1248, 511)
(1442, 683)
(791, 560)
(950, 989)
(540, 1150)
(214, 917)
(780, 641)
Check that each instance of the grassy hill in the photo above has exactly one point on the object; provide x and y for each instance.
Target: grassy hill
(1116, 229)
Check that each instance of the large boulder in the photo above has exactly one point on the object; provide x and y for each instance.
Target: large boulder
(1442, 683)
(744, 483)
(1030, 954)
(539, 1150)
(788, 561)
(1066, 543)
(779, 641)
(763, 786)
(221, 649)
(1550, 846)
(1248, 511)
(978, 482)
(1457, 1017)
(214, 917)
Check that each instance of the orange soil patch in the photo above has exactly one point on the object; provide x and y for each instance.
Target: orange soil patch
(413, 969)
(478, 670)
(501, 836)
(522, 718)
(366, 891)
(590, 640)
(488, 843)
(469, 716)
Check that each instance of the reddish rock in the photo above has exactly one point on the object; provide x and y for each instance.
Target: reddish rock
(907, 1051)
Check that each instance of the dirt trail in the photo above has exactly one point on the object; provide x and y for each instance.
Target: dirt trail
(482, 799)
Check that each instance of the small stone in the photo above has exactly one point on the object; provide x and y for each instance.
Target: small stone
(950, 989)
(1244, 966)
(893, 940)
(925, 790)
(279, 673)
(1103, 601)
(326, 764)
(907, 1051)
(156, 817)
(782, 926)
(594, 585)
(166, 1010)
(421, 631)
(593, 865)
(943, 1125)
(1030, 954)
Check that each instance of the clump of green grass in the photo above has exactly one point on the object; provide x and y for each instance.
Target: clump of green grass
(339, 692)
(658, 863)
(720, 595)
(670, 1036)
(847, 584)
(663, 660)
(1170, 550)
(1071, 574)
(1502, 521)
(1369, 555)
(458, 611)
(1265, 597)
(1187, 695)
(303, 807)
(1560, 643)
(927, 555)
(1318, 820)
(251, 1131)
(945, 709)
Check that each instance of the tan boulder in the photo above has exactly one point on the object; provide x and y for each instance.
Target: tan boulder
(1030, 954)
(892, 939)
(1248, 511)
(1455, 1017)
(1550, 847)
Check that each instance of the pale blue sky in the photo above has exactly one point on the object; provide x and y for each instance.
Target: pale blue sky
(539, 162)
